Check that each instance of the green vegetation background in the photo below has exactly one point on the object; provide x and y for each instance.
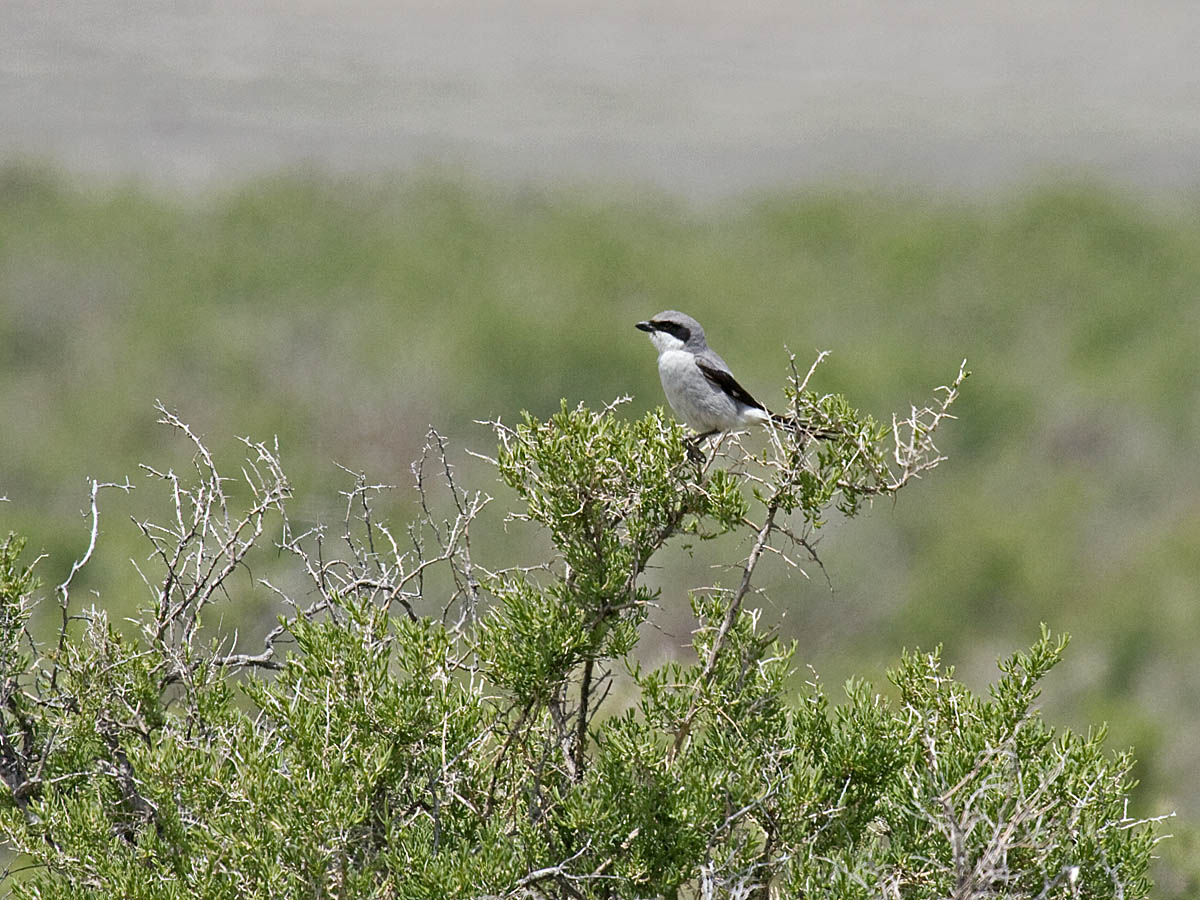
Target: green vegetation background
(348, 315)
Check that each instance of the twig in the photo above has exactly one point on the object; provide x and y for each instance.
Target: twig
(64, 589)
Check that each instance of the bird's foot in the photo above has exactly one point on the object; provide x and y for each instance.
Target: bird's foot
(693, 445)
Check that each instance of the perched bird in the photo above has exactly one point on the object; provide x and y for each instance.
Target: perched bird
(699, 385)
(697, 382)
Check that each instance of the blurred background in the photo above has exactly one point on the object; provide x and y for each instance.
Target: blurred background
(341, 223)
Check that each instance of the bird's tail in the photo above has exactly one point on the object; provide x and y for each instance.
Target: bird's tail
(805, 427)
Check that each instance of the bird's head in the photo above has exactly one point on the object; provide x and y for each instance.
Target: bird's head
(673, 330)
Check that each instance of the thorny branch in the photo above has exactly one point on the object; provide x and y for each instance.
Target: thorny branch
(64, 589)
(205, 543)
(996, 813)
(914, 450)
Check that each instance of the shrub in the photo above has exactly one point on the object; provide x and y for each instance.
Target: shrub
(420, 724)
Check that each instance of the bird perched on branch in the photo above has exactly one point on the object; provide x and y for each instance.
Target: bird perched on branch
(698, 383)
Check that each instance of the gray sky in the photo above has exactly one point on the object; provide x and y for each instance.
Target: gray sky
(701, 98)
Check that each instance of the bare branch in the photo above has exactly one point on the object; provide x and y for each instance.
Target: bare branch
(64, 589)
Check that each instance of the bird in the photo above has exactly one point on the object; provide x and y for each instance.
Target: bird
(701, 388)
(699, 385)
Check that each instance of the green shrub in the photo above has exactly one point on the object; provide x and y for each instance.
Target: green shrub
(421, 724)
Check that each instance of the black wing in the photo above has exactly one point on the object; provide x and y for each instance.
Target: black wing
(722, 379)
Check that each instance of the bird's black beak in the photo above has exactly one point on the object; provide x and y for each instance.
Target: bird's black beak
(644, 326)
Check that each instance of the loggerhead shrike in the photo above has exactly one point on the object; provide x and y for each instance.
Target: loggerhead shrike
(697, 382)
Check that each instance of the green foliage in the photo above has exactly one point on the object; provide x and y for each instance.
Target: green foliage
(535, 638)
(605, 490)
(397, 741)
(17, 584)
(850, 478)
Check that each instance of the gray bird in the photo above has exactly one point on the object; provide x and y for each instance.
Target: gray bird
(697, 382)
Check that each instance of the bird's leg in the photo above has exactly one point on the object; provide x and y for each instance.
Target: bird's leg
(692, 444)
